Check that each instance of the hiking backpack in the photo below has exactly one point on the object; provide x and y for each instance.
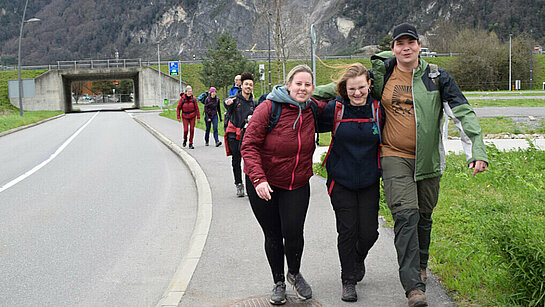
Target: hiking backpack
(202, 97)
(338, 119)
(276, 110)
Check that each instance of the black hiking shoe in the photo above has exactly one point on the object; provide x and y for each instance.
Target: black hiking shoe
(206, 144)
(349, 292)
(278, 296)
(184, 143)
(191, 146)
(218, 143)
(302, 288)
(359, 270)
(240, 190)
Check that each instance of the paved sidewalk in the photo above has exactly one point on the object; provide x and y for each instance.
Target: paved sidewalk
(233, 266)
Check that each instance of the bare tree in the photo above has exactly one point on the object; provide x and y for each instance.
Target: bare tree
(280, 30)
(77, 89)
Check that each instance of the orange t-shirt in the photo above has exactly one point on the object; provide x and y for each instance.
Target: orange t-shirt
(399, 134)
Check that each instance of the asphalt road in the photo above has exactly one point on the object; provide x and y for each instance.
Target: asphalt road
(104, 221)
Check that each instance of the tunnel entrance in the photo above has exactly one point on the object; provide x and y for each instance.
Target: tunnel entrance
(102, 95)
(101, 89)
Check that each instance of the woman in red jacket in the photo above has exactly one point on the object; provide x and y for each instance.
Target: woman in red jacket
(190, 111)
(278, 166)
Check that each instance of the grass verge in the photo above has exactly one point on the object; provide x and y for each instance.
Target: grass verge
(13, 120)
(496, 125)
(488, 247)
(482, 103)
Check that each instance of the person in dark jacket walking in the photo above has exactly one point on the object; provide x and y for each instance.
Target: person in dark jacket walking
(353, 172)
(239, 110)
(212, 112)
(278, 166)
(190, 110)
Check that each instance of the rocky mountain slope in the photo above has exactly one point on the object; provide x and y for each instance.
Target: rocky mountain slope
(83, 29)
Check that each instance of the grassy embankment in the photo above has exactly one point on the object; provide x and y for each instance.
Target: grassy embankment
(9, 115)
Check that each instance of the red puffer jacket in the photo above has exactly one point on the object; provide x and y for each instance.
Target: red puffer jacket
(283, 157)
(188, 107)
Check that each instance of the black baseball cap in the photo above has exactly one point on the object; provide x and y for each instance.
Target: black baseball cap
(404, 29)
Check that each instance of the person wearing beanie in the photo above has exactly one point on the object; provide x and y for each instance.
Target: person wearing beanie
(189, 111)
(211, 114)
(278, 166)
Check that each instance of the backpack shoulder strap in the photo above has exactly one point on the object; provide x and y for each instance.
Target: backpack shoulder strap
(434, 74)
(339, 110)
(274, 116)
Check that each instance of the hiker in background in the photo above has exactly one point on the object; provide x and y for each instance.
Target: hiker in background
(190, 110)
(412, 156)
(211, 113)
(353, 171)
(236, 87)
(278, 166)
(238, 109)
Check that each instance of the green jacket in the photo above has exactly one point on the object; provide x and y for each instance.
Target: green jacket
(430, 153)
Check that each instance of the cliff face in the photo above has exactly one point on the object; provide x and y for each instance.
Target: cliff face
(83, 29)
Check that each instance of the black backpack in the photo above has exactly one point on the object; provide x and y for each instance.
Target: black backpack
(276, 110)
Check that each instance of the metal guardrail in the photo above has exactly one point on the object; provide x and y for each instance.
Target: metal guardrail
(91, 64)
(115, 63)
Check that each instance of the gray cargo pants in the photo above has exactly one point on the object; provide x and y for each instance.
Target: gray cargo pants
(412, 203)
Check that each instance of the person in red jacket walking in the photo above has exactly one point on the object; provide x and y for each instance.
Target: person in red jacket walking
(190, 111)
(278, 166)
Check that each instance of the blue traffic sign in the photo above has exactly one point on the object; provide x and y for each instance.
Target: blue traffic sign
(173, 68)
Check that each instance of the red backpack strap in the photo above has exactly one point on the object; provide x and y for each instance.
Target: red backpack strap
(337, 119)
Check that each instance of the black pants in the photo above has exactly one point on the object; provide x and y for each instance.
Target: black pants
(236, 158)
(282, 219)
(356, 212)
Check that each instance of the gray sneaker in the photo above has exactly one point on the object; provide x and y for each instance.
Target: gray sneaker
(302, 288)
(240, 190)
(349, 292)
(278, 296)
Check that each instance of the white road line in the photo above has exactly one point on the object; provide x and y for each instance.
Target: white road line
(44, 163)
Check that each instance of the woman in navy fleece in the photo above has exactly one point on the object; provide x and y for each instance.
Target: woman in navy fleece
(353, 172)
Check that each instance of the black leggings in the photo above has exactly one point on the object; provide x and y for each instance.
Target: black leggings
(356, 212)
(282, 219)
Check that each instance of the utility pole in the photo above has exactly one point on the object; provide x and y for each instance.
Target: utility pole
(159, 69)
(510, 62)
(312, 51)
(269, 34)
(531, 60)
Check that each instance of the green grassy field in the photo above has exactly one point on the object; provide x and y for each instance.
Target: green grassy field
(326, 72)
(481, 103)
(488, 247)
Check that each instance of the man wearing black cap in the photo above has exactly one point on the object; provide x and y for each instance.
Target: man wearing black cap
(414, 95)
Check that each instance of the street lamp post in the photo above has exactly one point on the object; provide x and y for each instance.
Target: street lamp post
(19, 58)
